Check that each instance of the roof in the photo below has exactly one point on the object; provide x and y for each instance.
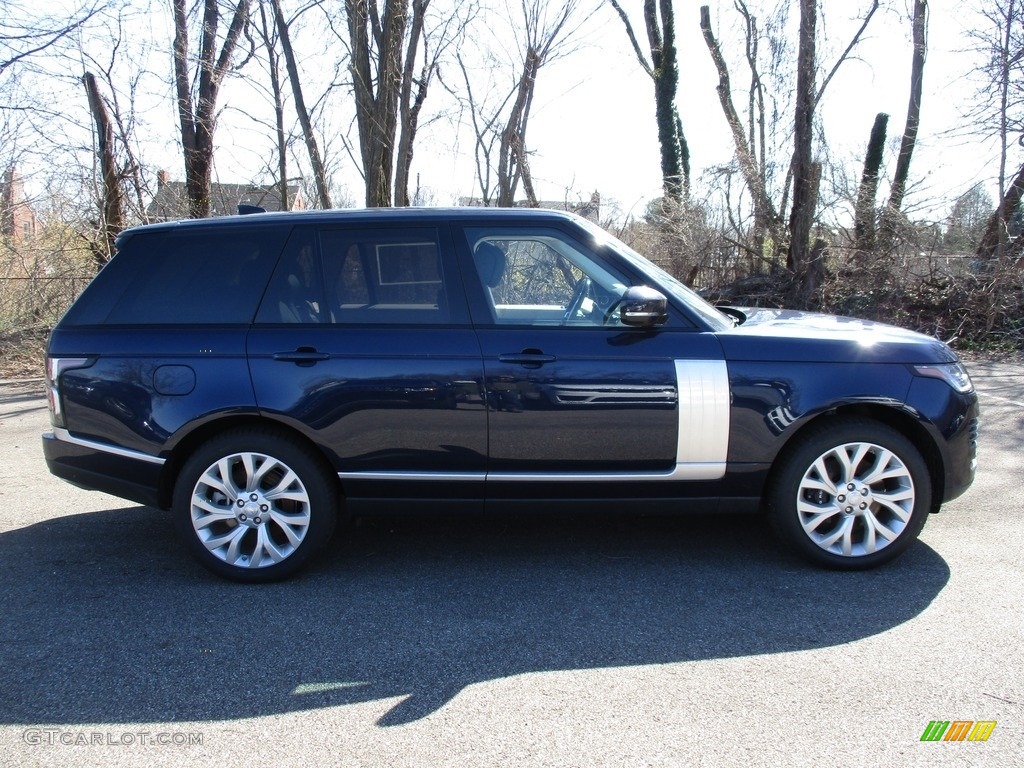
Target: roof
(370, 216)
(171, 199)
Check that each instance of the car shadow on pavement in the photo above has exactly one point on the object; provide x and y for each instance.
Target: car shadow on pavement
(109, 621)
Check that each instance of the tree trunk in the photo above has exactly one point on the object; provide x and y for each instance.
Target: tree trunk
(377, 109)
(996, 229)
(663, 69)
(409, 106)
(319, 173)
(275, 88)
(111, 202)
(864, 214)
(198, 120)
(765, 216)
(899, 179)
(512, 148)
(804, 189)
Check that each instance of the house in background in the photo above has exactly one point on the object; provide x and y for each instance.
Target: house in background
(18, 220)
(171, 200)
(590, 210)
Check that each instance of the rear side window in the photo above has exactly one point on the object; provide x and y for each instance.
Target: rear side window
(204, 275)
(363, 276)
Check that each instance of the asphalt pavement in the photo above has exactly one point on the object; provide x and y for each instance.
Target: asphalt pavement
(426, 640)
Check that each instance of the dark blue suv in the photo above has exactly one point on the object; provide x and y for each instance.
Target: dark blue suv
(257, 374)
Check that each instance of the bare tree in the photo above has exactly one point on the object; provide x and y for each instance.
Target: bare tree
(197, 107)
(890, 214)
(998, 111)
(391, 81)
(26, 34)
(867, 192)
(762, 139)
(111, 202)
(312, 148)
(805, 178)
(663, 69)
(545, 28)
(747, 145)
(268, 36)
(967, 220)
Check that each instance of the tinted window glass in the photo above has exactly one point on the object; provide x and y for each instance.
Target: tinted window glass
(363, 276)
(201, 275)
(295, 293)
(134, 251)
(539, 276)
(377, 276)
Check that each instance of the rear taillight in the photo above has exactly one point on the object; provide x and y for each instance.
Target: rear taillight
(55, 366)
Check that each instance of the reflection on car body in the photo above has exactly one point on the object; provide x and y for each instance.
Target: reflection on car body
(469, 357)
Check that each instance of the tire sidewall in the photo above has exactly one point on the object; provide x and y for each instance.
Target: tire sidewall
(785, 487)
(309, 468)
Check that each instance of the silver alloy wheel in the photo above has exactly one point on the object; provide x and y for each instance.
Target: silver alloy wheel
(250, 510)
(855, 499)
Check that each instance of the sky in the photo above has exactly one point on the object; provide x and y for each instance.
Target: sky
(592, 126)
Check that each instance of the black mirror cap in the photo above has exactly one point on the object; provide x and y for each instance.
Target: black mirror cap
(246, 210)
(643, 307)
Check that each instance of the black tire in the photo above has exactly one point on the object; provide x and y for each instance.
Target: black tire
(272, 529)
(858, 516)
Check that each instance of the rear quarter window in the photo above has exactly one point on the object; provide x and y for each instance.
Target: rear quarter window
(191, 276)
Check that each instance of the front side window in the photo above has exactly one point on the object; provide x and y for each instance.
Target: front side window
(539, 276)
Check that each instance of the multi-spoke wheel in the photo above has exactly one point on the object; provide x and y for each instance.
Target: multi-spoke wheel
(254, 505)
(851, 493)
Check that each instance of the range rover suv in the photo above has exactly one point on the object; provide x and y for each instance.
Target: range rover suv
(258, 374)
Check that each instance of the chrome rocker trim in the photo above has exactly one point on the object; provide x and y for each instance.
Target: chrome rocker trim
(66, 437)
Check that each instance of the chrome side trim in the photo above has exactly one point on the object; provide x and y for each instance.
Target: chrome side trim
(704, 402)
(66, 437)
(691, 471)
(391, 474)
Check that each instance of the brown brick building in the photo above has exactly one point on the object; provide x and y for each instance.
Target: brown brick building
(18, 220)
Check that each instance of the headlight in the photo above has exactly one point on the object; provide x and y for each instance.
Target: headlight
(953, 374)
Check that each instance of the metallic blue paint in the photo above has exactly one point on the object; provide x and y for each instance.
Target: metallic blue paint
(472, 397)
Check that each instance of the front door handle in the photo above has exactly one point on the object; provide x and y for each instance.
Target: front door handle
(304, 356)
(530, 358)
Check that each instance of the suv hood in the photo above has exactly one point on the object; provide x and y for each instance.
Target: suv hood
(787, 335)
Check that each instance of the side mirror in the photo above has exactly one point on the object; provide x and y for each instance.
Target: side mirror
(643, 307)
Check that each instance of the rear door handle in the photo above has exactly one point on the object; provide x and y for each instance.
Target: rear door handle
(301, 356)
(530, 359)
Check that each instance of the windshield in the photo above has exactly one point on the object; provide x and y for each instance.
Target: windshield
(662, 279)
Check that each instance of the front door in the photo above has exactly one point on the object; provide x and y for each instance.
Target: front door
(575, 398)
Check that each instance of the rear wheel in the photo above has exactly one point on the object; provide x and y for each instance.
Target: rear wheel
(254, 505)
(850, 494)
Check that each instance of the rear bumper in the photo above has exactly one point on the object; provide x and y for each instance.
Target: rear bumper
(98, 467)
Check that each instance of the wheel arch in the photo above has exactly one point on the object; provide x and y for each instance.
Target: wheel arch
(190, 442)
(897, 418)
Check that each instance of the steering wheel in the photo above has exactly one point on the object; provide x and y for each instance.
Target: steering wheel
(581, 293)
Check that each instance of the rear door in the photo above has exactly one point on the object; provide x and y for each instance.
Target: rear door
(363, 342)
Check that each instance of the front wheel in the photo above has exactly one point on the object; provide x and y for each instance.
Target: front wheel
(850, 494)
(254, 505)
